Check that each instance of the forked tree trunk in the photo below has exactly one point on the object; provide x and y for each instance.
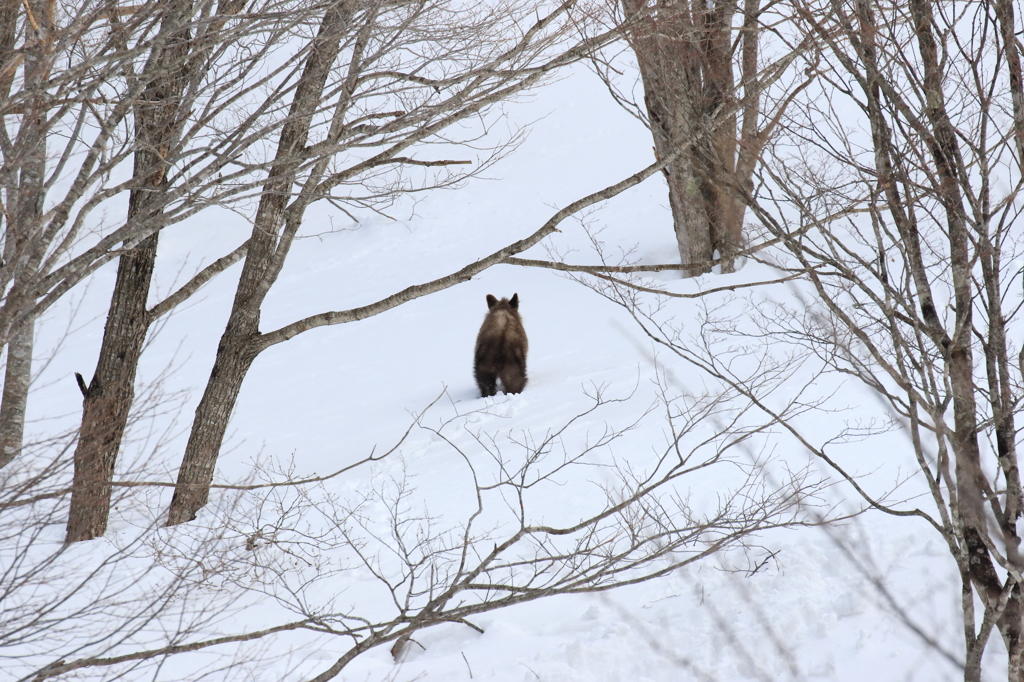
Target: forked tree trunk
(237, 349)
(109, 398)
(972, 487)
(684, 52)
(974, 497)
(22, 246)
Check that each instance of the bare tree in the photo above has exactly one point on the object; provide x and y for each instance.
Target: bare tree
(89, 109)
(705, 86)
(24, 187)
(159, 119)
(91, 100)
(910, 238)
(72, 90)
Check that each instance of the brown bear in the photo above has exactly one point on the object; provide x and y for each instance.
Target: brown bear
(501, 348)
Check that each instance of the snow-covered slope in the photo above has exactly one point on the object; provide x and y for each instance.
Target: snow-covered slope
(325, 399)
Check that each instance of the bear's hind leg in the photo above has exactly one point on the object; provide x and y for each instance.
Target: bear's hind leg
(488, 383)
(513, 378)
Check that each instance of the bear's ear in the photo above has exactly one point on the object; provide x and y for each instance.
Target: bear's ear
(491, 301)
(514, 302)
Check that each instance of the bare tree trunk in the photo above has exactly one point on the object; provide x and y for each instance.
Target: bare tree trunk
(972, 485)
(685, 53)
(932, 177)
(110, 395)
(237, 349)
(725, 210)
(17, 377)
(11, 426)
(1011, 53)
(230, 367)
(108, 400)
(21, 249)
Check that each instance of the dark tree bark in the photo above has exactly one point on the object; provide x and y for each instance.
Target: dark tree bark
(110, 394)
(108, 401)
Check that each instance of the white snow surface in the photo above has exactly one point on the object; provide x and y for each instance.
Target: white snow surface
(329, 396)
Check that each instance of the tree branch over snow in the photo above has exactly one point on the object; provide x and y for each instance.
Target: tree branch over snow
(463, 275)
(818, 222)
(697, 294)
(416, 162)
(61, 668)
(201, 278)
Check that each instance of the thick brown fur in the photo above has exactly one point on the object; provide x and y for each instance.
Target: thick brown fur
(501, 348)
